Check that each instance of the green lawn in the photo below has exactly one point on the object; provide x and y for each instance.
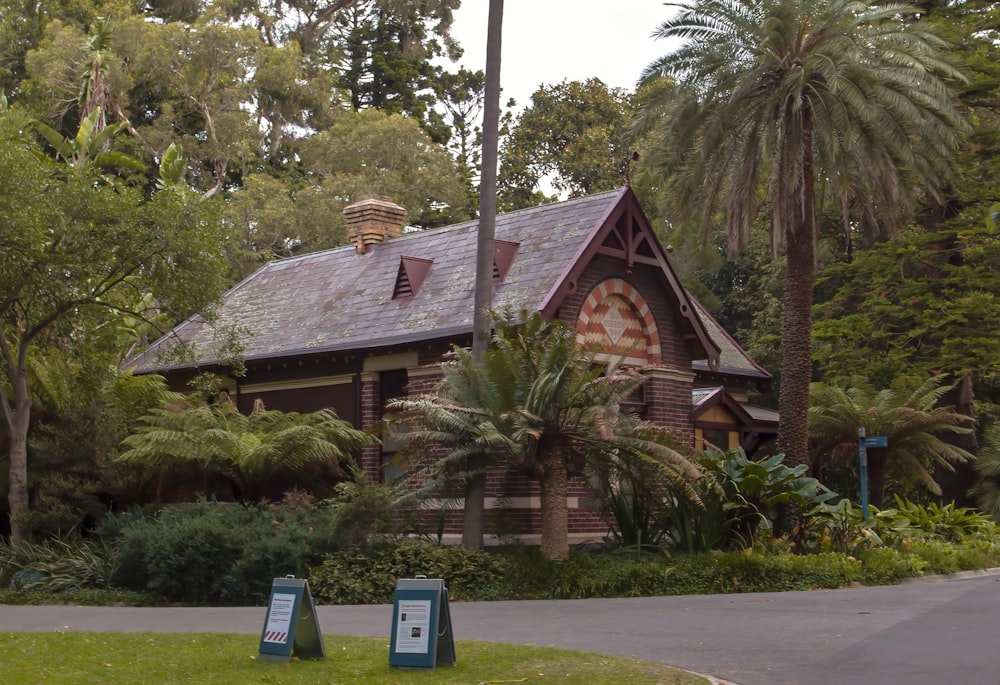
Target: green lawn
(160, 658)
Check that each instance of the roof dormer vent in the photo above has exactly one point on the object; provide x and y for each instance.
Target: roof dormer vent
(411, 275)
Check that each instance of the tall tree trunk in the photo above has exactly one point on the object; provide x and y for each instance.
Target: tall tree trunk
(474, 513)
(473, 521)
(555, 513)
(798, 219)
(18, 420)
(955, 484)
(878, 464)
(797, 300)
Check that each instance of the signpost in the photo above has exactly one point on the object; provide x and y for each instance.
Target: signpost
(422, 635)
(864, 443)
(291, 624)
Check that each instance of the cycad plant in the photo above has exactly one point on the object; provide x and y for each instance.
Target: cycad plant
(987, 490)
(540, 403)
(909, 418)
(248, 450)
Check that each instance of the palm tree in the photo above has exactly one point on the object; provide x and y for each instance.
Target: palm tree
(786, 104)
(538, 402)
(909, 419)
(95, 91)
(247, 450)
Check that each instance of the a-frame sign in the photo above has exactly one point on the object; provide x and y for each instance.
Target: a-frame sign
(422, 635)
(291, 625)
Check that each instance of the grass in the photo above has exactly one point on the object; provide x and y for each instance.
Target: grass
(162, 659)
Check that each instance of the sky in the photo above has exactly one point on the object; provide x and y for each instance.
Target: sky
(548, 41)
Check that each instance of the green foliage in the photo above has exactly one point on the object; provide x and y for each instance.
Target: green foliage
(632, 505)
(522, 573)
(375, 152)
(74, 478)
(887, 565)
(987, 466)
(741, 497)
(839, 526)
(353, 577)
(215, 553)
(77, 250)
(920, 305)
(909, 522)
(908, 415)
(57, 566)
(249, 450)
(368, 514)
(574, 134)
(209, 553)
(752, 571)
(89, 145)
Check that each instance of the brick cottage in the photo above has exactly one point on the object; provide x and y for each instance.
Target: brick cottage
(353, 327)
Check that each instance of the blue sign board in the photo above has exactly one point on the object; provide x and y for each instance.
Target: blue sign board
(876, 441)
(291, 624)
(421, 625)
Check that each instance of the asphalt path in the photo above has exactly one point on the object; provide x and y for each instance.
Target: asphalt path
(933, 632)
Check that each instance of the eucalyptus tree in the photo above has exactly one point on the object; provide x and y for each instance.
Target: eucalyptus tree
(785, 106)
(81, 248)
(910, 419)
(573, 134)
(540, 404)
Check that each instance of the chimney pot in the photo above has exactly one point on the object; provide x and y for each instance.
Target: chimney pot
(372, 219)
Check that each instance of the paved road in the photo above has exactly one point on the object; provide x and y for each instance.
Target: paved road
(924, 633)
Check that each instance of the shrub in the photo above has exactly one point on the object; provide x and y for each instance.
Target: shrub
(940, 557)
(885, 566)
(522, 573)
(740, 499)
(353, 577)
(753, 571)
(211, 553)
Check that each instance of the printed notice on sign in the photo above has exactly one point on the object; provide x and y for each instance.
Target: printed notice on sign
(279, 618)
(413, 627)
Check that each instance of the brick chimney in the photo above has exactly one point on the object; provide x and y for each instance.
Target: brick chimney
(371, 220)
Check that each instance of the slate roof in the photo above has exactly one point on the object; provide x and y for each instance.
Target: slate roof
(733, 359)
(339, 299)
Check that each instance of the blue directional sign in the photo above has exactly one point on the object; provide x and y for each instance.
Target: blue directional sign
(864, 442)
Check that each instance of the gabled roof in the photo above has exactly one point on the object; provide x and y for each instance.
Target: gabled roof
(703, 399)
(341, 300)
(733, 359)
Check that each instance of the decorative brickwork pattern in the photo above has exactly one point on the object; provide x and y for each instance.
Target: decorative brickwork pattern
(615, 317)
